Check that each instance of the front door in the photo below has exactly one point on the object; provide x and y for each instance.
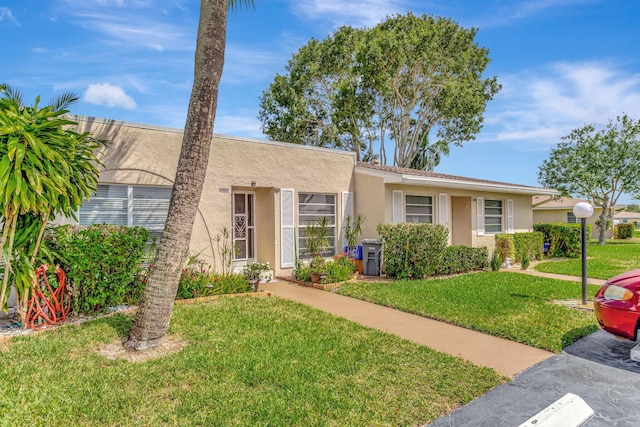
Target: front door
(244, 228)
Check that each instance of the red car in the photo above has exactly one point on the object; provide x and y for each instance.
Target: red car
(617, 305)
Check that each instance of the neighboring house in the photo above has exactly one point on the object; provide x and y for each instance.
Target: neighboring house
(550, 209)
(473, 210)
(625, 217)
(265, 193)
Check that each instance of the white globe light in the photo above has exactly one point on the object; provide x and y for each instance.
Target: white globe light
(583, 210)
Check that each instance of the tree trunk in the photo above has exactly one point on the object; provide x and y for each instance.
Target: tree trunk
(603, 227)
(153, 316)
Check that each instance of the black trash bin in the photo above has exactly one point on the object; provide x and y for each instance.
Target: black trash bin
(371, 256)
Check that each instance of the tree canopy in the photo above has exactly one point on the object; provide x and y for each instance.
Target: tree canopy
(403, 90)
(599, 165)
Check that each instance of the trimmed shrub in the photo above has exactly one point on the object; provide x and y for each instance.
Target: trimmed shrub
(102, 263)
(525, 259)
(496, 262)
(505, 247)
(462, 259)
(412, 251)
(528, 245)
(341, 268)
(623, 231)
(563, 239)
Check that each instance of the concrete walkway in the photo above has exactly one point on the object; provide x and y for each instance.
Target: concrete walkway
(506, 357)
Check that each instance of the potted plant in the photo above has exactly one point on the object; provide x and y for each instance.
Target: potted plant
(254, 272)
(317, 269)
(352, 229)
(318, 242)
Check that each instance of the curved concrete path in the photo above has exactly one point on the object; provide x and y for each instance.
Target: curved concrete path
(506, 357)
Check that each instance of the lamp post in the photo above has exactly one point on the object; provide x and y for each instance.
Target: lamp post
(583, 210)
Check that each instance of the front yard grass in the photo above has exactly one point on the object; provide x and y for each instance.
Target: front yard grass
(508, 305)
(603, 261)
(250, 361)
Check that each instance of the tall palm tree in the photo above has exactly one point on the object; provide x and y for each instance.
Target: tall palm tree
(154, 313)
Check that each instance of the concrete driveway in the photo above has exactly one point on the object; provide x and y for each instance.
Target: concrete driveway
(597, 368)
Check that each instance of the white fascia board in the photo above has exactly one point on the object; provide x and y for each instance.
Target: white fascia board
(477, 186)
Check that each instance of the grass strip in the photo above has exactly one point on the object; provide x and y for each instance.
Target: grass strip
(508, 305)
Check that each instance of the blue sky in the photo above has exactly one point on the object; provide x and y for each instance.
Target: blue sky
(562, 63)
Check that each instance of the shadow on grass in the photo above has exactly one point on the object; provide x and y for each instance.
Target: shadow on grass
(120, 323)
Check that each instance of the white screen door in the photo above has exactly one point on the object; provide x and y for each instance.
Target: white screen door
(244, 226)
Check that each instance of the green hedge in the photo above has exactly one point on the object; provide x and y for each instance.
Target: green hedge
(563, 239)
(102, 263)
(462, 259)
(624, 231)
(530, 244)
(412, 251)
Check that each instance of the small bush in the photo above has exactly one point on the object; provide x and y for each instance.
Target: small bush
(462, 259)
(412, 251)
(102, 262)
(525, 259)
(196, 281)
(496, 262)
(505, 247)
(623, 231)
(303, 273)
(341, 268)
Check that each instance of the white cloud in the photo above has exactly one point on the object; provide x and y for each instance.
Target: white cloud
(354, 13)
(541, 107)
(108, 95)
(5, 14)
(238, 125)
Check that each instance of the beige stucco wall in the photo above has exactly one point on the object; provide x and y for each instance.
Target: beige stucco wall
(146, 155)
(560, 215)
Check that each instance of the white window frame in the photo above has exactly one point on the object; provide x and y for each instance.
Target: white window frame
(332, 221)
(429, 216)
(571, 216)
(287, 228)
(486, 216)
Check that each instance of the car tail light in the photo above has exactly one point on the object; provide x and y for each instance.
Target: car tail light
(617, 293)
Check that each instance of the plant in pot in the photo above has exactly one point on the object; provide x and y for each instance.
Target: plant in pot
(253, 273)
(318, 242)
(352, 229)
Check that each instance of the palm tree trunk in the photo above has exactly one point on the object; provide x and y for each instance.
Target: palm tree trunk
(153, 316)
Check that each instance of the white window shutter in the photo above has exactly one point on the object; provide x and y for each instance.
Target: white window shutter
(287, 229)
(442, 209)
(347, 211)
(397, 207)
(480, 208)
(510, 216)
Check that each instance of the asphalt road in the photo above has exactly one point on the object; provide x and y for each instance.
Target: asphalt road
(597, 368)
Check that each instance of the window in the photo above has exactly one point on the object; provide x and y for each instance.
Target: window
(493, 216)
(571, 218)
(312, 207)
(419, 209)
(128, 205)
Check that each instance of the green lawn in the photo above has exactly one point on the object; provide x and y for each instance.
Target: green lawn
(250, 362)
(603, 261)
(508, 305)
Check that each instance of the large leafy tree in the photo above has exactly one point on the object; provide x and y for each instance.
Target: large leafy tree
(404, 91)
(599, 165)
(46, 169)
(154, 313)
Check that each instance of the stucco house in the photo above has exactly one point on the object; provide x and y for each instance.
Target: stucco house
(624, 217)
(265, 193)
(549, 209)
